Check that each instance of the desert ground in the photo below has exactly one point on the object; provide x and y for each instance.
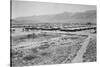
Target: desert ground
(39, 47)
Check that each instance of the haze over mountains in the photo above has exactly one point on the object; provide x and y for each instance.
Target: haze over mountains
(66, 17)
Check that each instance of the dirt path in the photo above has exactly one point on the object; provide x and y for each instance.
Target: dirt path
(78, 58)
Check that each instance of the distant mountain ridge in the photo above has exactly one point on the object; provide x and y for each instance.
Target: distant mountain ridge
(66, 17)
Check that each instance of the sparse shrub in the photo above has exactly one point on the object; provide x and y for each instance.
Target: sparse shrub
(16, 53)
(45, 54)
(34, 50)
(44, 46)
(29, 57)
(31, 35)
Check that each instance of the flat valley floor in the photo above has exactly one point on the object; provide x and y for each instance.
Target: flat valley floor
(38, 47)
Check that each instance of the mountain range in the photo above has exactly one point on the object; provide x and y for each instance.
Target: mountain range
(65, 17)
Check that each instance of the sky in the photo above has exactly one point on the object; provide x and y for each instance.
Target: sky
(32, 8)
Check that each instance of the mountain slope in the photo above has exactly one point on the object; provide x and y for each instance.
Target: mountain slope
(66, 17)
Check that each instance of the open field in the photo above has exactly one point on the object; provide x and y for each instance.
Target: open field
(39, 47)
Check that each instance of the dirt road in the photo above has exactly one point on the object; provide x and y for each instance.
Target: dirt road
(78, 58)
